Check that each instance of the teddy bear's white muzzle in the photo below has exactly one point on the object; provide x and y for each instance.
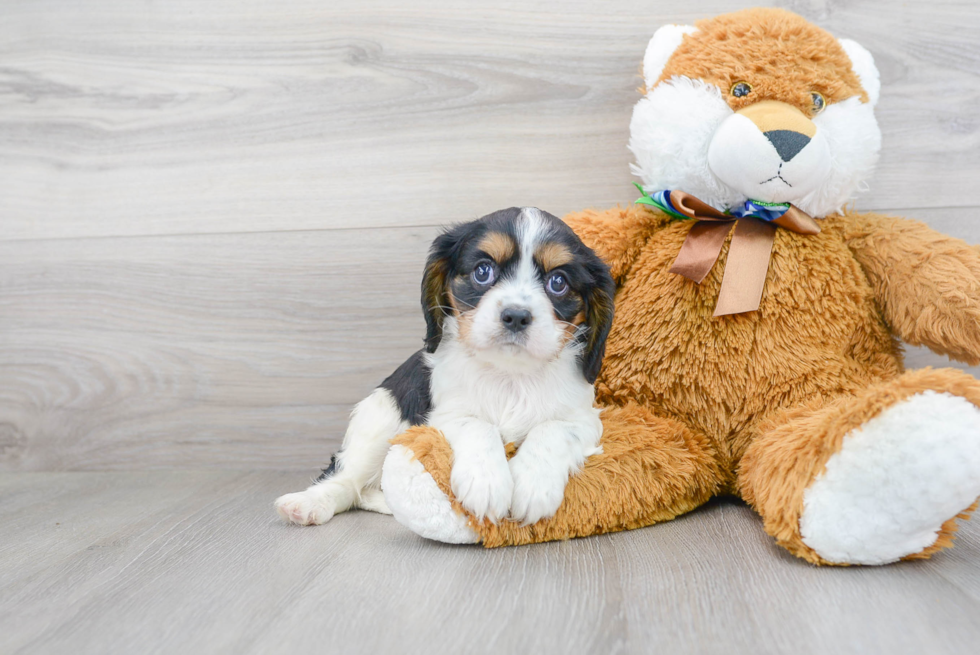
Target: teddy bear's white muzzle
(772, 166)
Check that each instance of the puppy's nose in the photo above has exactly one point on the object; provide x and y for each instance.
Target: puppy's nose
(516, 319)
(787, 142)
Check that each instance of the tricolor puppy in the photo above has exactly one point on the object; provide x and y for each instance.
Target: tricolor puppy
(517, 311)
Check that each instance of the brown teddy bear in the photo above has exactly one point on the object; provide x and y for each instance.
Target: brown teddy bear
(755, 350)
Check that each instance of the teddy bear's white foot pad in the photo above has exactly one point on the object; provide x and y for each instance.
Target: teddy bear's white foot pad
(895, 481)
(417, 502)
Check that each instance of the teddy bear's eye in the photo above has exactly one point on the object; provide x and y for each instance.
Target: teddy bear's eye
(818, 103)
(741, 89)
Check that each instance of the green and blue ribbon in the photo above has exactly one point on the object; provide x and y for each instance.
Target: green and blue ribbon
(764, 211)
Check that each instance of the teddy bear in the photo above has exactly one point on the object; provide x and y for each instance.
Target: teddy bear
(755, 348)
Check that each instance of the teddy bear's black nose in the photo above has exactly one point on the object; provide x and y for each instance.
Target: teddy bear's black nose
(787, 142)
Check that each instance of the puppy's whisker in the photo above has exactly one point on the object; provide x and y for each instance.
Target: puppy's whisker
(453, 309)
(577, 329)
(486, 358)
(463, 302)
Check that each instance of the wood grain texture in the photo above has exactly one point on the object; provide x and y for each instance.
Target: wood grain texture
(197, 562)
(122, 118)
(199, 351)
(213, 218)
(215, 350)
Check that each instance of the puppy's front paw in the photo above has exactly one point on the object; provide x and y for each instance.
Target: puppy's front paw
(483, 486)
(304, 508)
(538, 489)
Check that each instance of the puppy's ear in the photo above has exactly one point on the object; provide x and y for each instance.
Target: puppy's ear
(599, 302)
(435, 284)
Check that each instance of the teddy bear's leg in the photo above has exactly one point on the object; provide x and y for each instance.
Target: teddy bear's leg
(416, 500)
(651, 469)
(870, 478)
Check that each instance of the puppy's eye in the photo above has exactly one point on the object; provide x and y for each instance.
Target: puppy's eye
(818, 103)
(741, 89)
(557, 285)
(484, 274)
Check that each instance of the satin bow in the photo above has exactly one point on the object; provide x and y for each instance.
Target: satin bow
(748, 256)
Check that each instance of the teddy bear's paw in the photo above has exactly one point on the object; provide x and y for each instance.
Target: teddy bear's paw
(887, 492)
(417, 502)
(539, 488)
(305, 508)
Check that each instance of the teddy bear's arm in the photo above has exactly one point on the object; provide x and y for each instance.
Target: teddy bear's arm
(927, 284)
(617, 235)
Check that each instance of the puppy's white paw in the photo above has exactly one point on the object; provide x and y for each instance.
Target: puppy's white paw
(373, 500)
(539, 489)
(304, 508)
(483, 485)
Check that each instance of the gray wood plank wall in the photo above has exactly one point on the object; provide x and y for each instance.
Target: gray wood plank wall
(213, 215)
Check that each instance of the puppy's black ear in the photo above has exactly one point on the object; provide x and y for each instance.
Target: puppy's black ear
(435, 284)
(599, 302)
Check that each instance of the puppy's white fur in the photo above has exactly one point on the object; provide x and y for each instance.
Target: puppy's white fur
(488, 389)
(547, 410)
(357, 482)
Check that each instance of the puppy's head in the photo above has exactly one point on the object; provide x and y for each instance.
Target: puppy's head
(519, 285)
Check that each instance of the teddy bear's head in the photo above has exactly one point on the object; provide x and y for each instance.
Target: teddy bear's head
(756, 105)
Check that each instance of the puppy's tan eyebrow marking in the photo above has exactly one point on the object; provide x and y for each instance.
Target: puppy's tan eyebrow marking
(498, 245)
(552, 255)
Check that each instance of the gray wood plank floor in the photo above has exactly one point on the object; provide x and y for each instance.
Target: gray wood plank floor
(197, 562)
(212, 223)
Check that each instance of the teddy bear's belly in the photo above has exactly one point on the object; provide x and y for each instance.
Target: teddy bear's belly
(816, 333)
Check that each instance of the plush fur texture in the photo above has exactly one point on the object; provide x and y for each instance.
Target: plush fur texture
(691, 132)
(517, 312)
(801, 407)
(877, 500)
(755, 404)
(650, 470)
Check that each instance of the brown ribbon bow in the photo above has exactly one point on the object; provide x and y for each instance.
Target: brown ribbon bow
(748, 255)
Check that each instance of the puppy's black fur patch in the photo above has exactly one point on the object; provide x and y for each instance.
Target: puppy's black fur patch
(409, 385)
(328, 472)
(453, 256)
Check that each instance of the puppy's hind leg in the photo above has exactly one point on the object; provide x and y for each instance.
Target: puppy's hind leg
(354, 475)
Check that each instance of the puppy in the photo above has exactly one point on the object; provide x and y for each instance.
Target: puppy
(517, 311)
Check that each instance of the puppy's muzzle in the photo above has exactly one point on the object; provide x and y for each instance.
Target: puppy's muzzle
(516, 319)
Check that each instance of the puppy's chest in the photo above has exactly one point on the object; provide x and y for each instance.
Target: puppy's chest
(514, 404)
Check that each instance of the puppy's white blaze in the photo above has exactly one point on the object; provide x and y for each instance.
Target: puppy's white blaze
(484, 393)
(543, 339)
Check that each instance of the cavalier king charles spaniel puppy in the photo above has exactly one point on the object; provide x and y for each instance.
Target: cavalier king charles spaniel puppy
(517, 311)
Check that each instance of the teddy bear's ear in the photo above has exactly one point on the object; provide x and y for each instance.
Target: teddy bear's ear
(665, 40)
(863, 65)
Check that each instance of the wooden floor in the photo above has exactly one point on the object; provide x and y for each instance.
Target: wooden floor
(197, 562)
(213, 217)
